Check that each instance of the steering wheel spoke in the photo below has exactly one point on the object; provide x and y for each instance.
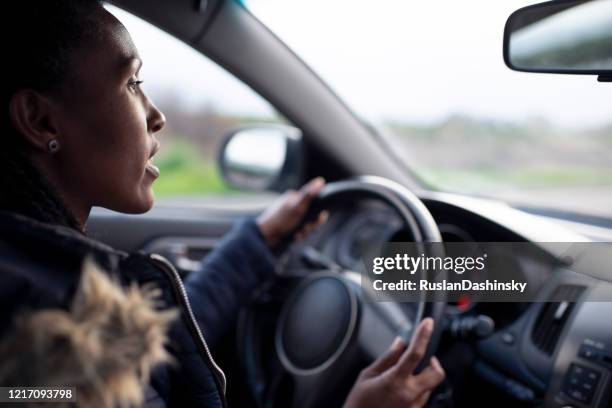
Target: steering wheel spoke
(380, 323)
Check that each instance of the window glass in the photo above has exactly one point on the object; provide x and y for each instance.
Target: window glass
(430, 76)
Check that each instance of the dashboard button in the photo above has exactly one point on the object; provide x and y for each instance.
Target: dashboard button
(588, 352)
(581, 383)
(578, 395)
(507, 338)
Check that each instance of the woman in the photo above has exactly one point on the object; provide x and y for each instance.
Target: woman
(80, 132)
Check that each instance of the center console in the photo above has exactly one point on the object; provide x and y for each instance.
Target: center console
(582, 370)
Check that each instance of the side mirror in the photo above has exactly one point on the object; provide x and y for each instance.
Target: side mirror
(262, 157)
(565, 36)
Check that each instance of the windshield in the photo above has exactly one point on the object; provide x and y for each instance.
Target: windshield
(431, 77)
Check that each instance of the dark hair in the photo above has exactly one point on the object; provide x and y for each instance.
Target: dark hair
(43, 38)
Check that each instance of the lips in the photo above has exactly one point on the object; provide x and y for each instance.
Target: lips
(150, 167)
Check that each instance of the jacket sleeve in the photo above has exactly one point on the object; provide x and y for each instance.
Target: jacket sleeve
(228, 277)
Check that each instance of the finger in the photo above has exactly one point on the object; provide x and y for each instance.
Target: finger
(430, 377)
(310, 190)
(321, 219)
(311, 226)
(295, 210)
(313, 187)
(422, 400)
(307, 229)
(294, 199)
(411, 357)
(389, 358)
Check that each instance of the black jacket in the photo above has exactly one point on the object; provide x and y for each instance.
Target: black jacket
(40, 266)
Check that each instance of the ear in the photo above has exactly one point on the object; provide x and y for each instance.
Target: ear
(31, 114)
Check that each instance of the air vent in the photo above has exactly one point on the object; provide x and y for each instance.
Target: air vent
(553, 316)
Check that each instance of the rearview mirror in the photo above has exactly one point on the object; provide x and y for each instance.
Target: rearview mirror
(267, 157)
(567, 36)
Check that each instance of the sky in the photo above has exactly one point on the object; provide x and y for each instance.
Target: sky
(389, 60)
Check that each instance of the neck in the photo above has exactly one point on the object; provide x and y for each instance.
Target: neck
(76, 207)
(81, 216)
(71, 201)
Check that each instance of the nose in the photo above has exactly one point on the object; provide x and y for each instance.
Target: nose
(157, 120)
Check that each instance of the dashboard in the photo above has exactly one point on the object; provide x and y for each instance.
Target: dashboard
(554, 354)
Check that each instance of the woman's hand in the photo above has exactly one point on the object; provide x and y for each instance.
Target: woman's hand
(287, 212)
(389, 383)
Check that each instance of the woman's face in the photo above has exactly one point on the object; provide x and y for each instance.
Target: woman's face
(107, 126)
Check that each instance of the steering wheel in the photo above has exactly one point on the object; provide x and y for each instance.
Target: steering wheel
(328, 328)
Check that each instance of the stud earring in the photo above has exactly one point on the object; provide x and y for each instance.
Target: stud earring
(53, 146)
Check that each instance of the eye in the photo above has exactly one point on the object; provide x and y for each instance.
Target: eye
(134, 84)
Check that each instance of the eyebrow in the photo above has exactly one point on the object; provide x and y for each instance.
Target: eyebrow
(127, 62)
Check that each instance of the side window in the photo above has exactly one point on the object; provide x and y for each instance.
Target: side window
(201, 102)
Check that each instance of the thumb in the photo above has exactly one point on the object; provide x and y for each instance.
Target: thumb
(389, 358)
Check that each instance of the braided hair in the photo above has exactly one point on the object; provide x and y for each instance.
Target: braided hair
(44, 35)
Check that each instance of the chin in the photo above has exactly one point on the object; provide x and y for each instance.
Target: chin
(143, 208)
(145, 205)
(142, 203)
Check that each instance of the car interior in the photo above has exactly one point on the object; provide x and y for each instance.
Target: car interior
(303, 339)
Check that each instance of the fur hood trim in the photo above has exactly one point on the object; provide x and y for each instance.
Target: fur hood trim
(105, 345)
